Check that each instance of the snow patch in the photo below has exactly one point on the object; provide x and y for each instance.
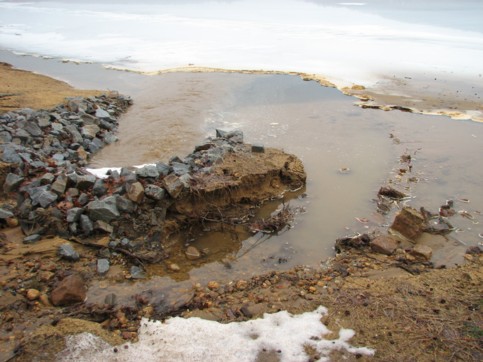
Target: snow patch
(195, 339)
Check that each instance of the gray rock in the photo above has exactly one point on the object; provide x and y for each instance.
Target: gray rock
(163, 168)
(83, 199)
(148, 171)
(180, 168)
(12, 182)
(105, 209)
(110, 138)
(110, 299)
(96, 145)
(99, 189)
(102, 266)
(57, 127)
(100, 113)
(66, 251)
(46, 198)
(22, 134)
(73, 215)
(72, 192)
(5, 137)
(173, 185)
(5, 214)
(90, 131)
(103, 226)
(33, 129)
(47, 178)
(75, 134)
(154, 192)
(86, 224)
(60, 184)
(124, 205)
(43, 119)
(85, 182)
(234, 136)
(137, 272)
(31, 239)
(9, 155)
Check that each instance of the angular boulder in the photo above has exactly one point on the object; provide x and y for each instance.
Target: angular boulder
(70, 290)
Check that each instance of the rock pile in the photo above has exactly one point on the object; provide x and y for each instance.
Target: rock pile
(44, 154)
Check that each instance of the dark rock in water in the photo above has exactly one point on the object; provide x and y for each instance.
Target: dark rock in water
(441, 227)
(86, 224)
(410, 223)
(73, 215)
(474, 250)
(31, 239)
(154, 192)
(5, 214)
(103, 266)
(258, 149)
(204, 147)
(173, 185)
(85, 182)
(105, 209)
(192, 253)
(137, 272)
(12, 182)
(99, 189)
(358, 241)
(148, 171)
(392, 193)
(70, 290)
(124, 205)
(66, 251)
(384, 244)
(9, 154)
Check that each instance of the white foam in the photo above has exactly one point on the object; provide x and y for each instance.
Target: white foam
(195, 339)
(342, 43)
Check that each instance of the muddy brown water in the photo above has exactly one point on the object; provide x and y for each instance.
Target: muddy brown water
(173, 112)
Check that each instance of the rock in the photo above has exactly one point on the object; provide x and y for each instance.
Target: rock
(163, 169)
(137, 272)
(33, 129)
(124, 205)
(474, 250)
(102, 266)
(73, 215)
(83, 199)
(442, 227)
(12, 182)
(154, 192)
(99, 189)
(384, 244)
(66, 251)
(174, 267)
(356, 242)
(45, 198)
(135, 192)
(422, 252)
(173, 185)
(60, 184)
(409, 222)
(192, 253)
(235, 136)
(5, 137)
(104, 226)
(90, 131)
(31, 239)
(100, 113)
(86, 224)
(110, 299)
(9, 154)
(213, 285)
(71, 289)
(105, 209)
(391, 193)
(5, 214)
(85, 182)
(96, 145)
(258, 149)
(32, 294)
(74, 132)
(148, 171)
(179, 168)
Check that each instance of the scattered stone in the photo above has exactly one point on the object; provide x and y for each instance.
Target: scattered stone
(124, 205)
(384, 244)
(12, 182)
(174, 267)
(66, 251)
(474, 250)
(5, 214)
(357, 242)
(85, 182)
(137, 272)
(148, 171)
(192, 253)
(102, 266)
(71, 290)
(103, 226)
(422, 252)
(90, 131)
(410, 223)
(60, 184)
(135, 192)
(154, 192)
(33, 294)
(73, 215)
(392, 193)
(105, 209)
(173, 185)
(31, 239)
(45, 198)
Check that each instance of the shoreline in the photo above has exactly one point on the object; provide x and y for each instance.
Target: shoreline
(346, 278)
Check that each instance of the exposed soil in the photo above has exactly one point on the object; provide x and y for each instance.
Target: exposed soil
(401, 306)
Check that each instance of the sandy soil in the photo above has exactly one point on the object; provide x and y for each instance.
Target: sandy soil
(21, 89)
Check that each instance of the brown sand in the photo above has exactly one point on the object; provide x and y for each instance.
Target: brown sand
(22, 89)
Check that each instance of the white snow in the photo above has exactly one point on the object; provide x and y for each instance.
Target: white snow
(195, 339)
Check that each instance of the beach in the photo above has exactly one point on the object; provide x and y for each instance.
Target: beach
(418, 132)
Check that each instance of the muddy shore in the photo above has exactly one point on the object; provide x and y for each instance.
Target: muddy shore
(398, 304)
